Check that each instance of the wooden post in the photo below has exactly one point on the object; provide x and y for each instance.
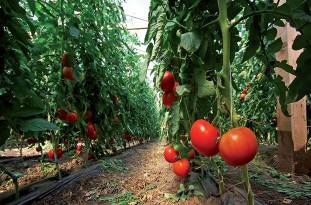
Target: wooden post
(292, 131)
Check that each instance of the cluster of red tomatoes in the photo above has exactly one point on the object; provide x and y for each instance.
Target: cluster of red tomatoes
(236, 147)
(244, 92)
(181, 166)
(67, 69)
(169, 85)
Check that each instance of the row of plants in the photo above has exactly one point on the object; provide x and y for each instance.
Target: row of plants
(69, 76)
(222, 54)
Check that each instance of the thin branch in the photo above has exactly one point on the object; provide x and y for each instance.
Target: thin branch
(136, 17)
(210, 23)
(141, 28)
(276, 13)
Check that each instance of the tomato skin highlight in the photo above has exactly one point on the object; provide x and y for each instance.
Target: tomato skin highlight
(238, 146)
(72, 117)
(91, 131)
(167, 82)
(68, 73)
(168, 99)
(181, 167)
(170, 154)
(204, 137)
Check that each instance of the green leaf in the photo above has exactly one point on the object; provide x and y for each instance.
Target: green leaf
(183, 90)
(275, 46)
(149, 53)
(174, 118)
(283, 64)
(299, 42)
(271, 34)
(195, 4)
(26, 111)
(4, 131)
(37, 125)
(190, 41)
(74, 32)
(205, 87)
(32, 5)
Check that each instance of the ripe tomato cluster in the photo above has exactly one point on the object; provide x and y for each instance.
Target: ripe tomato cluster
(169, 85)
(236, 147)
(59, 153)
(67, 69)
(180, 165)
(70, 117)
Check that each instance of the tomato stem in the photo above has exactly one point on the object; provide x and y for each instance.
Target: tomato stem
(221, 183)
(247, 185)
(224, 79)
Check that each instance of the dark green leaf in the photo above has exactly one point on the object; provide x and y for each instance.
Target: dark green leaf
(190, 41)
(37, 125)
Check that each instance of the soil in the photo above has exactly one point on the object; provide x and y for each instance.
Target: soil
(138, 175)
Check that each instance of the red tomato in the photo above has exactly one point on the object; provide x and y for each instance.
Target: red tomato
(90, 156)
(191, 154)
(181, 167)
(238, 146)
(242, 96)
(39, 149)
(65, 60)
(88, 116)
(175, 86)
(170, 154)
(68, 73)
(204, 137)
(115, 99)
(59, 153)
(91, 131)
(61, 113)
(72, 117)
(79, 148)
(127, 137)
(168, 99)
(245, 90)
(66, 142)
(167, 82)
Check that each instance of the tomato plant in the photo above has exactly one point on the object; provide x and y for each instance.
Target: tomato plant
(211, 54)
